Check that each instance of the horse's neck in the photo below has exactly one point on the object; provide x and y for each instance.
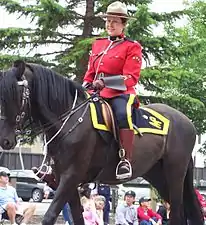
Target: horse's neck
(53, 119)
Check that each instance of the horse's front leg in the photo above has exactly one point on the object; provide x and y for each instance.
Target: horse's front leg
(66, 192)
(76, 209)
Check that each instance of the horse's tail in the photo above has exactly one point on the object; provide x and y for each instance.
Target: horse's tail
(192, 206)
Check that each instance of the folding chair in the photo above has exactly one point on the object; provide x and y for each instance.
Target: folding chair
(5, 218)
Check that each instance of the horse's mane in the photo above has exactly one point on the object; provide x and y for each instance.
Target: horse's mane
(9, 95)
(53, 90)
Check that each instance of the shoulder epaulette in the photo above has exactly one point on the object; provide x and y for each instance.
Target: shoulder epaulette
(101, 38)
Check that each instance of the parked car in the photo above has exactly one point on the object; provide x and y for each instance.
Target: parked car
(28, 185)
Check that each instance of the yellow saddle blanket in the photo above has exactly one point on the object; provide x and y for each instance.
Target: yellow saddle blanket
(145, 119)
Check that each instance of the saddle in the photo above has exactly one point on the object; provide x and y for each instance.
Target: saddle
(108, 117)
(144, 120)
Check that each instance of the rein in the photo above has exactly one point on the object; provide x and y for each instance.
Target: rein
(26, 104)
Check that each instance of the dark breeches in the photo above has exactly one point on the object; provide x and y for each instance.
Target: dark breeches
(122, 107)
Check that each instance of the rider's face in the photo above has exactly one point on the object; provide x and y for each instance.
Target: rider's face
(114, 26)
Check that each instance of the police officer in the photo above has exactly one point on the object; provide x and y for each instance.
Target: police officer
(118, 57)
(126, 214)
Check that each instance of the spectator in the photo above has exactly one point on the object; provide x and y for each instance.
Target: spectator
(164, 212)
(126, 214)
(202, 202)
(47, 191)
(89, 214)
(66, 211)
(104, 190)
(9, 202)
(94, 189)
(99, 201)
(146, 215)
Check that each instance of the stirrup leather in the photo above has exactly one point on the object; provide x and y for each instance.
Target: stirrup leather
(124, 175)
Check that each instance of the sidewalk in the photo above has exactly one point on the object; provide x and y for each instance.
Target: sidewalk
(40, 211)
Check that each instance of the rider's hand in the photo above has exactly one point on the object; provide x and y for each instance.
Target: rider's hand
(98, 84)
(86, 84)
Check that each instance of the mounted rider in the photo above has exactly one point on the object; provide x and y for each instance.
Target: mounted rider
(120, 59)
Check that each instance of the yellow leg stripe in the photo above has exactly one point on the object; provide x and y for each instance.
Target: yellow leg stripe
(129, 110)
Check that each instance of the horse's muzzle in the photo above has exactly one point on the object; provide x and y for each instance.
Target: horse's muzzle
(7, 144)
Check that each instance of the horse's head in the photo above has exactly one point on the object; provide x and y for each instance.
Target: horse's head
(14, 98)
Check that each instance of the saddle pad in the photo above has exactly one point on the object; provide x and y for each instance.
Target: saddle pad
(147, 120)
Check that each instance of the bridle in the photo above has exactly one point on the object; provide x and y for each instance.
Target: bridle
(25, 107)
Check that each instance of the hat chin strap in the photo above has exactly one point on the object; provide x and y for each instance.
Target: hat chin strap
(115, 38)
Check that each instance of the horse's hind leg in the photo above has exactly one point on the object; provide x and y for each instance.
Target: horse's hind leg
(191, 203)
(175, 175)
(156, 177)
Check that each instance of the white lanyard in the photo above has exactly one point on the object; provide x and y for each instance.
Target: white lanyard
(102, 56)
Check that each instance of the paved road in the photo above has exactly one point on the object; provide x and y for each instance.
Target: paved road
(41, 207)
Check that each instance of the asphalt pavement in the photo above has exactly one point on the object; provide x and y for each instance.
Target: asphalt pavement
(41, 208)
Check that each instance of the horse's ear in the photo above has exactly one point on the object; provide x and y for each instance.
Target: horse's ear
(20, 65)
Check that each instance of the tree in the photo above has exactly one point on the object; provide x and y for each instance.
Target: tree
(190, 72)
(53, 20)
(167, 81)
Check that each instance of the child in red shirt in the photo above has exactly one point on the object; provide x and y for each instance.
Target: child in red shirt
(146, 215)
(202, 202)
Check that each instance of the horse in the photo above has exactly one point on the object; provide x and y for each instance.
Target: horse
(33, 95)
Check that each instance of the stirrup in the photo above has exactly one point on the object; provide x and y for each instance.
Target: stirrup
(124, 175)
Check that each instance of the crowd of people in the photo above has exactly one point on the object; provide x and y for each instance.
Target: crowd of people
(96, 207)
(130, 213)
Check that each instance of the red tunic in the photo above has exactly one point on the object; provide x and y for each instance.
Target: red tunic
(124, 57)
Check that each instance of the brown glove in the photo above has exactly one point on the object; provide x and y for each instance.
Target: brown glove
(98, 84)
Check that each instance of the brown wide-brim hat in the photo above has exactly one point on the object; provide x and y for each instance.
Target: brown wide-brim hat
(116, 9)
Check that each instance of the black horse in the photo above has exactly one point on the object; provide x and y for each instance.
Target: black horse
(31, 92)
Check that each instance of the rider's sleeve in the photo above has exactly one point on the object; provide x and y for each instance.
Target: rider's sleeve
(90, 74)
(132, 66)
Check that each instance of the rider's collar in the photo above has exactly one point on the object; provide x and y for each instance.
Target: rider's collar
(116, 38)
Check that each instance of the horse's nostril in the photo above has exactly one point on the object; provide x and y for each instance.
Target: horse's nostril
(7, 144)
